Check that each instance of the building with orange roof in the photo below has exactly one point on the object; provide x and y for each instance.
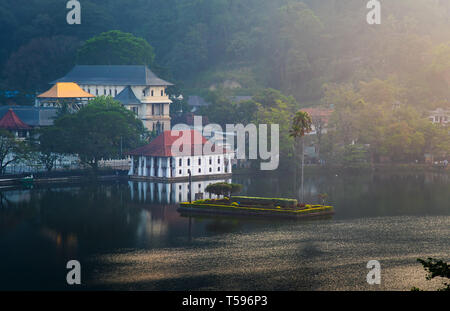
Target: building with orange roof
(64, 92)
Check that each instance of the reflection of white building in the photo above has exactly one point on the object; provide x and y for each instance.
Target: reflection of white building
(171, 157)
(169, 193)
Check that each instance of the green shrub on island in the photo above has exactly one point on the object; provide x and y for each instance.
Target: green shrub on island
(287, 203)
(223, 188)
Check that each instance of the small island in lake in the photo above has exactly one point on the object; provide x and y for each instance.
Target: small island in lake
(254, 206)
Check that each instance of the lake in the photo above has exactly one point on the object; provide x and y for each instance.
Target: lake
(128, 235)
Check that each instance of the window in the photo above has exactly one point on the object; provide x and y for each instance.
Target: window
(110, 92)
(199, 186)
(104, 91)
(96, 92)
(210, 170)
(152, 92)
(162, 93)
(135, 110)
(180, 162)
(199, 170)
(89, 90)
(115, 92)
(180, 172)
(199, 161)
(218, 160)
(218, 169)
(210, 160)
(189, 162)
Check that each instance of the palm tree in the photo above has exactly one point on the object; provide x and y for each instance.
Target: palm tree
(301, 125)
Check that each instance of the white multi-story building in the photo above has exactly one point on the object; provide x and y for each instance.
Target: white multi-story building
(157, 160)
(439, 116)
(136, 87)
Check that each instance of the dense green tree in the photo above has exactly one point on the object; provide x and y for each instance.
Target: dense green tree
(39, 62)
(12, 150)
(116, 48)
(104, 129)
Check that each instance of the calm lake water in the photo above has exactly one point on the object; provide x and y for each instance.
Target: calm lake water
(128, 235)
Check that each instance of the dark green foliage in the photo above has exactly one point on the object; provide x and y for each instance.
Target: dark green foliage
(116, 48)
(436, 268)
(11, 150)
(223, 188)
(290, 45)
(266, 201)
(104, 129)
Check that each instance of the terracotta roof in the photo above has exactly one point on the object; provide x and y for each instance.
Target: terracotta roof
(66, 90)
(161, 146)
(11, 121)
(322, 113)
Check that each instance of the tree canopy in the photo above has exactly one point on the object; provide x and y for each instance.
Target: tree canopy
(104, 129)
(115, 48)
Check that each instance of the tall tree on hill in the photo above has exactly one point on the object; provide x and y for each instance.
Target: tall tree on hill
(116, 48)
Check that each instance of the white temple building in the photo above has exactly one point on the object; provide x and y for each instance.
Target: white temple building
(163, 158)
(136, 87)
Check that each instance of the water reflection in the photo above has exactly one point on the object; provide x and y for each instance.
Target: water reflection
(42, 228)
(168, 193)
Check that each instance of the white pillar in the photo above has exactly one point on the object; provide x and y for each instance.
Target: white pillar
(140, 166)
(145, 166)
(131, 171)
(159, 174)
(152, 166)
(168, 167)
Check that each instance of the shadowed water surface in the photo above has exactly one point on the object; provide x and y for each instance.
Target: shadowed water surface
(129, 236)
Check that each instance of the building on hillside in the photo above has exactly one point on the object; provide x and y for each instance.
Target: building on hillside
(196, 102)
(137, 87)
(439, 116)
(12, 123)
(158, 161)
(64, 93)
(320, 119)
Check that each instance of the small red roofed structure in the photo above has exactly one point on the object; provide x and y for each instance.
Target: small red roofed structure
(12, 123)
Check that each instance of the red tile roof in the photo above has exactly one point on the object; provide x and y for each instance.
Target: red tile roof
(319, 113)
(11, 121)
(161, 146)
